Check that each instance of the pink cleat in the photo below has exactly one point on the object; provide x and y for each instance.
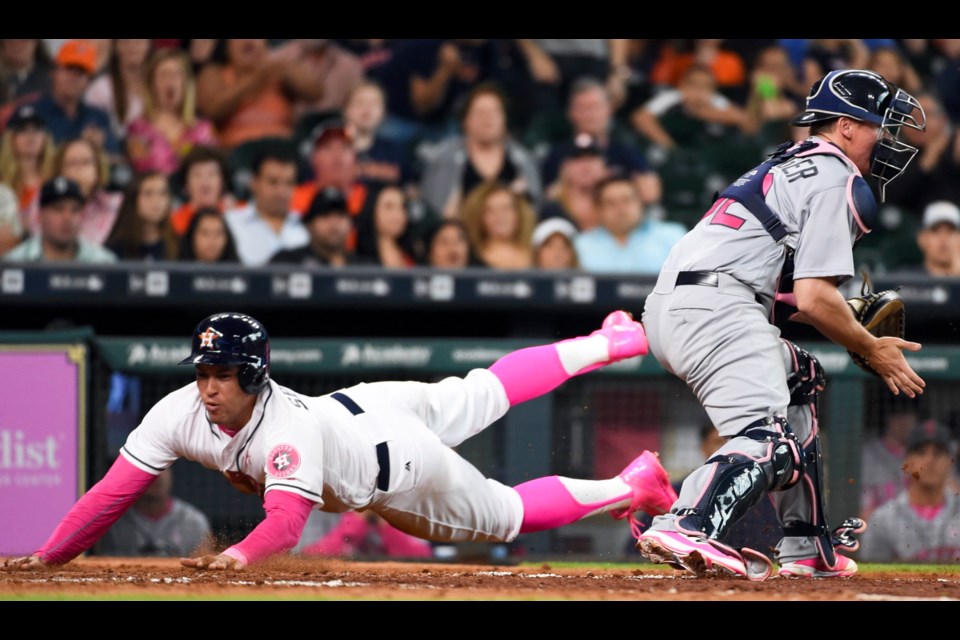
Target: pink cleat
(652, 491)
(697, 555)
(625, 336)
(815, 568)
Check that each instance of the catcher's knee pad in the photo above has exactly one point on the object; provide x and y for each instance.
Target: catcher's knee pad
(805, 377)
(739, 479)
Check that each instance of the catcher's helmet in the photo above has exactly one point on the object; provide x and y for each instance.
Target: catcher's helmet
(866, 96)
(234, 339)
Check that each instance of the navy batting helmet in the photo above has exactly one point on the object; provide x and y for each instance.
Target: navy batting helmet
(866, 96)
(234, 339)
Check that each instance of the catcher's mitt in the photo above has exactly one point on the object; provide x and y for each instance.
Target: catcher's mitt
(882, 313)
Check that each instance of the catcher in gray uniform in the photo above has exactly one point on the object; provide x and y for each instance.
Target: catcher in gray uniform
(774, 247)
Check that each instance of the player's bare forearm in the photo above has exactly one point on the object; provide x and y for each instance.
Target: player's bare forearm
(822, 305)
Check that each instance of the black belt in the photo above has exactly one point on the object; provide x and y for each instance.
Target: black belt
(383, 454)
(702, 278)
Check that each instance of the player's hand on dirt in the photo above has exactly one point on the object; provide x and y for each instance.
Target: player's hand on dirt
(26, 563)
(220, 562)
(886, 357)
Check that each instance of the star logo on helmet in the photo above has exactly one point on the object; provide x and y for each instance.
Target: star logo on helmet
(207, 338)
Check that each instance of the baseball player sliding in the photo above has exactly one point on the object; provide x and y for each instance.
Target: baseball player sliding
(774, 247)
(385, 446)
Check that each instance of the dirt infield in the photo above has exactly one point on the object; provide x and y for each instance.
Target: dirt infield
(306, 579)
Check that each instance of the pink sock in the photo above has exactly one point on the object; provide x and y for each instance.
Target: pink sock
(548, 503)
(342, 538)
(398, 544)
(534, 371)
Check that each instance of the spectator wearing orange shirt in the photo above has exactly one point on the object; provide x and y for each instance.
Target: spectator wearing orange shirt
(678, 56)
(252, 95)
(203, 173)
(334, 164)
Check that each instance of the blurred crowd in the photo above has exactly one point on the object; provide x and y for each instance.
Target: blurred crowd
(586, 154)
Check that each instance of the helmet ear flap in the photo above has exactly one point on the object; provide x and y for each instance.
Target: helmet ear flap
(253, 378)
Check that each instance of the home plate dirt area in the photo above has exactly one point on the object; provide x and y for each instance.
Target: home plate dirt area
(304, 579)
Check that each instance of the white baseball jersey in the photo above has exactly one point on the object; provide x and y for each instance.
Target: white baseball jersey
(384, 446)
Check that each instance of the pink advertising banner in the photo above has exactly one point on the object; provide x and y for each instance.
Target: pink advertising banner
(42, 440)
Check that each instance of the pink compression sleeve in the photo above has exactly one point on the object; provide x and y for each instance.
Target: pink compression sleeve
(529, 373)
(95, 512)
(548, 504)
(280, 531)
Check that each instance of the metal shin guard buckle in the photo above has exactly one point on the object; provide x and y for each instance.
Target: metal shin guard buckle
(845, 535)
(758, 566)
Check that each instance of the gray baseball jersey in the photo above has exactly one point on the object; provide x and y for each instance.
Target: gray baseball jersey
(697, 332)
(898, 533)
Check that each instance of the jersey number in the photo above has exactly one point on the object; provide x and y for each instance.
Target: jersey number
(721, 217)
(295, 401)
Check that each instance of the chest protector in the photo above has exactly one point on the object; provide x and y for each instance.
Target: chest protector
(751, 189)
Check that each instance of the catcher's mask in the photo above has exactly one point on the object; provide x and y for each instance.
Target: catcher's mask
(234, 339)
(868, 97)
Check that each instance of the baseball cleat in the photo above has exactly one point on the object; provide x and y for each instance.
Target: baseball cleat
(696, 555)
(626, 338)
(652, 491)
(815, 568)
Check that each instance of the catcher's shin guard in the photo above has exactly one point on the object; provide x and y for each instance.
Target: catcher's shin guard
(802, 509)
(825, 539)
(765, 457)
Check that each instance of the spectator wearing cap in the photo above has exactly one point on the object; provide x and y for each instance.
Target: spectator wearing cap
(334, 163)
(499, 224)
(448, 246)
(63, 109)
(383, 231)
(573, 196)
(379, 161)
(169, 127)
(120, 91)
(922, 524)
(329, 225)
(204, 174)
(881, 458)
(426, 79)
(338, 69)
(625, 241)
(485, 152)
(554, 246)
(932, 175)
(251, 94)
(82, 161)
(590, 113)
(61, 206)
(25, 69)
(26, 159)
(267, 224)
(939, 239)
